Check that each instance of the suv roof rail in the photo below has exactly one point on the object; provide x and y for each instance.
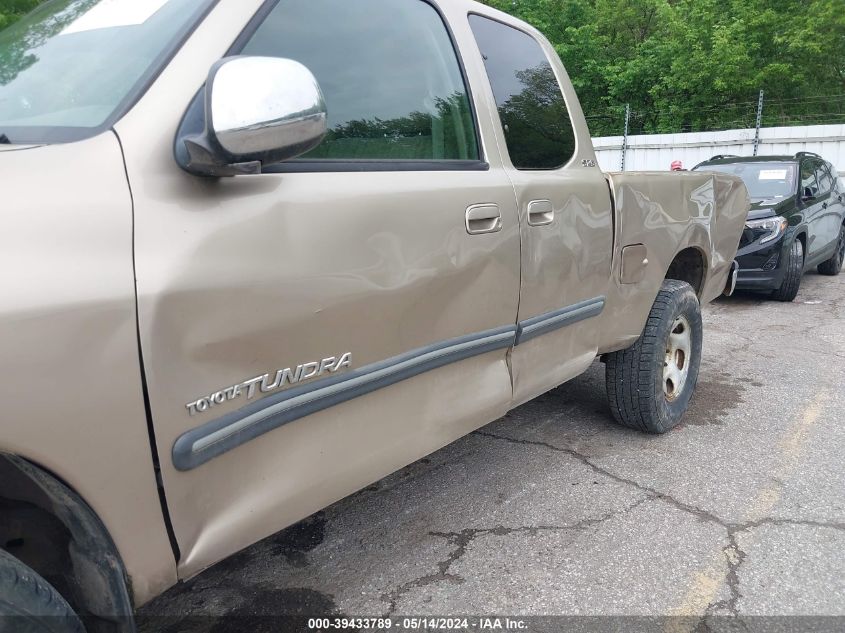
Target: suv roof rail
(807, 154)
(721, 156)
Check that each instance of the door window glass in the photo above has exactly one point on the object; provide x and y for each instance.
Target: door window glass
(825, 180)
(389, 73)
(537, 127)
(809, 184)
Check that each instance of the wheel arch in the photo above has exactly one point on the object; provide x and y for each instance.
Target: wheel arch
(801, 236)
(689, 265)
(50, 528)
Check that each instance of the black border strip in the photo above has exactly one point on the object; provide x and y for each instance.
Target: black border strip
(203, 443)
(545, 323)
(145, 392)
(305, 166)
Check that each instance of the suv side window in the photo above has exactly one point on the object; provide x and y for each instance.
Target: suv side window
(389, 72)
(809, 184)
(825, 180)
(537, 127)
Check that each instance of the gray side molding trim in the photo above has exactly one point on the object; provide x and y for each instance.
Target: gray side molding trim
(203, 443)
(545, 323)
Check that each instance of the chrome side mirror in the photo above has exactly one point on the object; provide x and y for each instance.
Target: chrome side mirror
(258, 111)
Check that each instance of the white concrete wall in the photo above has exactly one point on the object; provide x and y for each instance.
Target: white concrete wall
(657, 151)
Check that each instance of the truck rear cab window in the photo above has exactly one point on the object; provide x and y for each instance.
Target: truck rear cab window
(393, 86)
(531, 106)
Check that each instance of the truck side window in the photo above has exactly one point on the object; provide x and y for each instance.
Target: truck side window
(391, 78)
(538, 130)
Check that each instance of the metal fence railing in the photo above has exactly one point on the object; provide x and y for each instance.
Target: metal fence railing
(646, 152)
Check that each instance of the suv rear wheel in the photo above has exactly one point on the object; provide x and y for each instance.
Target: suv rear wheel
(833, 266)
(650, 384)
(29, 604)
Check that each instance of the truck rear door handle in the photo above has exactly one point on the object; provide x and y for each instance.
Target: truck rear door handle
(540, 212)
(483, 218)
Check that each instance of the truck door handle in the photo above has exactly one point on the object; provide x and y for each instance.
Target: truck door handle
(483, 218)
(540, 212)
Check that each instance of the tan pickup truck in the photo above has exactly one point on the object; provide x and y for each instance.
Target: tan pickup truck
(259, 254)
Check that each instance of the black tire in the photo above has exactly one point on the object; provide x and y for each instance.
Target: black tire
(793, 270)
(833, 266)
(29, 604)
(636, 386)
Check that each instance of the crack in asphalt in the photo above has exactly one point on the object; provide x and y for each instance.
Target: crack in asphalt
(702, 514)
(461, 541)
(734, 555)
(750, 525)
(666, 497)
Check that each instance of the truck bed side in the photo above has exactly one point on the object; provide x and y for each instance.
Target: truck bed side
(686, 225)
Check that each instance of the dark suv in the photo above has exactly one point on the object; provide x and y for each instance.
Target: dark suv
(796, 221)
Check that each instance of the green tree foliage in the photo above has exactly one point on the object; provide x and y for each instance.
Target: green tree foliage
(18, 55)
(11, 10)
(445, 132)
(684, 64)
(697, 64)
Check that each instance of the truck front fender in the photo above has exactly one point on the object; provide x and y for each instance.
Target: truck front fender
(52, 529)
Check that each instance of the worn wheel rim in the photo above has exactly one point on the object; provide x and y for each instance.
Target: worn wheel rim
(678, 356)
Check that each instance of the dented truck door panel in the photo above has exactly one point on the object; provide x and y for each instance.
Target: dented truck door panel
(307, 331)
(566, 228)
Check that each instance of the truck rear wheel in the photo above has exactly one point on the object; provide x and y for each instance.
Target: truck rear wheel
(650, 384)
(29, 604)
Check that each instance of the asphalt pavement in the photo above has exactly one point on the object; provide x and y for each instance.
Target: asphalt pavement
(555, 510)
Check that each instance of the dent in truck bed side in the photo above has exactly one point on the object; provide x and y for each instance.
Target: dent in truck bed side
(669, 212)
